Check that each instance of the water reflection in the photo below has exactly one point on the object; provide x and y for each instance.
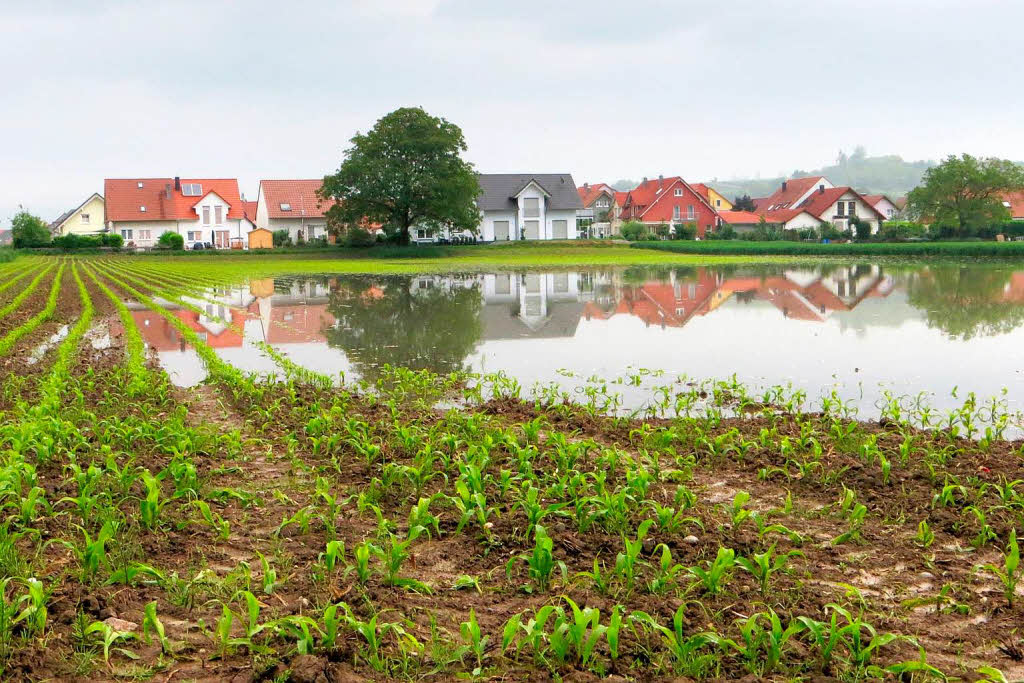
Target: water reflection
(861, 327)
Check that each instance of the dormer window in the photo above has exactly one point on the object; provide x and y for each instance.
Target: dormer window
(285, 206)
(140, 184)
(142, 209)
(191, 189)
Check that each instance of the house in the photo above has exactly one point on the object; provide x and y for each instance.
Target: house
(837, 205)
(671, 202)
(714, 198)
(201, 210)
(531, 206)
(741, 221)
(600, 213)
(820, 200)
(85, 219)
(885, 206)
(1015, 203)
(293, 205)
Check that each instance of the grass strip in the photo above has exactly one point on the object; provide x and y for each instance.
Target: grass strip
(25, 293)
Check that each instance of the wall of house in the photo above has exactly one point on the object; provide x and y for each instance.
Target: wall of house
(662, 211)
(567, 215)
(78, 224)
(261, 209)
(864, 212)
(295, 225)
(802, 221)
(888, 209)
(487, 220)
(543, 231)
(719, 201)
(144, 233)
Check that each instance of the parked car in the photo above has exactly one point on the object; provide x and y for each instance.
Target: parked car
(198, 246)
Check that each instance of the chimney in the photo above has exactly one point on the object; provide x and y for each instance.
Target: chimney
(661, 181)
(167, 190)
(821, 189)
(586, 187)
(783, 185)
(177, 184)
(644, 181)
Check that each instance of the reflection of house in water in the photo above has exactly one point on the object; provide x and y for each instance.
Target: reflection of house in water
(160, 335)
(532, 304)
(798, 294)
(296, 313)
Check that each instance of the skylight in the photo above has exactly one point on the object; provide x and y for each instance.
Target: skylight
(191, 189)
(285, 206)
(140, 184)
(142, 209)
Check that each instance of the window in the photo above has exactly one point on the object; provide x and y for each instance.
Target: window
(422, 234)
(285, 206)
(689, 212)
(142, 209)
(676, 211)
(85, 219)
(195, 235)
(718, 203)
(206, 215)
(531, 207)
(140, 184)
(145, 234)
(840, 209)
(679, 192)
(851, 208)
(191, 189)
(126, 233)
(218, 214)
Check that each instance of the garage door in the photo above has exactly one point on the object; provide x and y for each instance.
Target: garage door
(500, 231)
(532, 229)
(560, 230)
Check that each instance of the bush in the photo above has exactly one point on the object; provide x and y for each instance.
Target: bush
(726, 232)
(282, 238)
(171, 240)
(73, 241)
(686, 231)
(895, 231)
(112, 239)
(633, 231)
(359, 237)
(860, 228)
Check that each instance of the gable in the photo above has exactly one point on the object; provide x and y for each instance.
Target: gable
(498, 190)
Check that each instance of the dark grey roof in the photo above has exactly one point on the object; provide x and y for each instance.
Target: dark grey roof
(60, 219)
(500, 188)
(501, 322)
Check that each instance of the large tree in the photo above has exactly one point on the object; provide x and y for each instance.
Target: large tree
(28, 230)
(965, 192)
(744, 203)
(407, 171)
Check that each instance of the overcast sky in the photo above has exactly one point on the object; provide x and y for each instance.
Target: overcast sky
(603, 90)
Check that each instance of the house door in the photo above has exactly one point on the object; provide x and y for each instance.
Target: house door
(500, 231)
(560, 230)
(532, 229)
(222, 239)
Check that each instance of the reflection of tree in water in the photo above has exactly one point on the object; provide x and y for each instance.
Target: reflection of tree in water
(382, 320)
(965, 302)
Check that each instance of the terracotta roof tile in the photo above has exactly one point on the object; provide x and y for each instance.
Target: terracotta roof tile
(739, 217)
(1016, 201)
(125, 198)
(300, 195)
(784, 198)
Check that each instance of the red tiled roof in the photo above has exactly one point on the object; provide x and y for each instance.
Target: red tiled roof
(125, 199)
(620, 197)
(1016, 201)
(785, 215)
(795, 188)
(588, 193)
(650, 192)
(819, 202)
(739, 217)
(299, 194)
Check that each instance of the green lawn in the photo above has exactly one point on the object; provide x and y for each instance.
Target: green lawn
(785, 248)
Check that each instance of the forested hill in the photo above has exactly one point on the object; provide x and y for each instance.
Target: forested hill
(889, 175)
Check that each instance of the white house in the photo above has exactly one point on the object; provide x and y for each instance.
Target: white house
(838, 205)
(200, 210)
(522, 206)
(883, 205)
(802, 203)
(293, 205)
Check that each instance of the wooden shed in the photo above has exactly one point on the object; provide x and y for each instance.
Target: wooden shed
(261, 238)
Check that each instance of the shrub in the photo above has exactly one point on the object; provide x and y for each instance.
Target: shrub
(282, 238)
(860, 227)
(633, 231)
(726, 232)
(171, 240)
(686, 231)
(73, 241)
(112, 239)
(892, 231)
(359, 237)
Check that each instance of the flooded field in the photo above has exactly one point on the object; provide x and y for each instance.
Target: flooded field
(859, 329)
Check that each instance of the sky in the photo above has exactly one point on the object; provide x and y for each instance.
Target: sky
(602, 90)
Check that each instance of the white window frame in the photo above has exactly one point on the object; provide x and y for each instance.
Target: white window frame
(531, 211)
(690, 215)
(218, 215)
(679, 192)
(206, 215)
(84, 217)
(145, 234)
(676, 212)
(126, 234)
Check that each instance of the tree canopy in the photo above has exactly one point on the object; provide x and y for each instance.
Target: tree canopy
(744, 203)
(28, 230)
(965, 192)
(406, 171)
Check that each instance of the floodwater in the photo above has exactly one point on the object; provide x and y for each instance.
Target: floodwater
(861, 329)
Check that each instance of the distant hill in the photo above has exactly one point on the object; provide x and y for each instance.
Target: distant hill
(889, 175)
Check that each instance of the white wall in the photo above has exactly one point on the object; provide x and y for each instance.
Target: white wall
(802, 221)
(487, 224)
(864, 212)
(294, 225)
(531, 191)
